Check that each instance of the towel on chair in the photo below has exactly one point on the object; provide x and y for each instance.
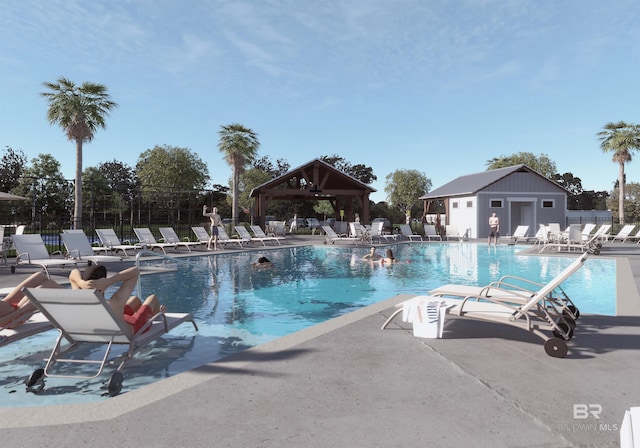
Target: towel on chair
(426, 315)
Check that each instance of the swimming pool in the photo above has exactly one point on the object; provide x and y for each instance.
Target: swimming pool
(238, 307)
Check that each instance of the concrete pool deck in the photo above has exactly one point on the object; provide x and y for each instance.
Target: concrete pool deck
(347, 383)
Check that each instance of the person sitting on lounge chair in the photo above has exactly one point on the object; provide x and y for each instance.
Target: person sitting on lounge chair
(135, 312)
(15, 308)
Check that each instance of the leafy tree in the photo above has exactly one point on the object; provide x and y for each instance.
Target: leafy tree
(120, 176)
(580, 199)
(168, 167)
(165, 174)
(123, 188)
(96, 186)
(621, 139)
(541, 163)
(249, 179)
(631, 202)
(589, 200)
(404, 188)
(358, 171)
(264, 163)
(239, 146)
(43, 180)
(571, 183)
(79, 111)
(12, 164)
(324, 208)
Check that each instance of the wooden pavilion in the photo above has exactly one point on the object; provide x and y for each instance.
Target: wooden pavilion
(315, 181)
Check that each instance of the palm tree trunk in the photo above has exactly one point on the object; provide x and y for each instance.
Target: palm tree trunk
(234, 204)
(77, 208)
(621, 190)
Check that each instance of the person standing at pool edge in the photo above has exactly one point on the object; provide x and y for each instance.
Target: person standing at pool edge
(215, 222)
(494, 228)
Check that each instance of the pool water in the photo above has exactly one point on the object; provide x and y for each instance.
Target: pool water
(238, 307)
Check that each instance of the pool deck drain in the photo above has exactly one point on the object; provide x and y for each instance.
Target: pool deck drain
(347, 383)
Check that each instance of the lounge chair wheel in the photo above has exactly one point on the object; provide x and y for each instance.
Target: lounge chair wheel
(115, 384)
(574, 310)
(570, 320)
(35, 382)
(555, 347)
(566, 328)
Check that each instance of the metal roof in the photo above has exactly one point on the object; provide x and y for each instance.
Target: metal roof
(471, 184)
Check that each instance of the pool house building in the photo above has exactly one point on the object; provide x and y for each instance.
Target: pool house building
(517, 194)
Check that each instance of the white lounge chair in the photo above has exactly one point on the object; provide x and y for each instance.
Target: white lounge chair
(146, 238)
(170, 236)
(406, 232)
(586, 230)
(201, 234)
(541, 236)
(573, 242)
(602, 234)
(635, 236)
(451, 232)
(518, 234)
(556, 235)
(246, 236)
(84, 317)
(278, 228)
(518, 290)
(332, 236)
(630, 428)
(624, 233)
(79, 248)
(358, 231)
(430, 232)
(31, 250)
(259, 233)
(378, 233)
(536, 315)
(110, 240)
(224, 238)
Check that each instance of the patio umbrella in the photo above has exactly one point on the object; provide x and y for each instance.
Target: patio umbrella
(11, 197)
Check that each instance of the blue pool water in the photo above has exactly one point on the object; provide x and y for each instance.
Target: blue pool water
(238, 307)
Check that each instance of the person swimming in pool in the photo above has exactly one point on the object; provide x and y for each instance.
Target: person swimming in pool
(372, 255)
(390, 258)
(263, 262)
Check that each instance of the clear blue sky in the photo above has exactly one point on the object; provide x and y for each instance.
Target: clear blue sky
(438, 86)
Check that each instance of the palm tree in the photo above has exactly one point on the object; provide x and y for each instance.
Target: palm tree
(239, 146)
(622, 139)
(80, 111)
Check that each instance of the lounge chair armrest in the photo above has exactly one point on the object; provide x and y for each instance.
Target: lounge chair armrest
(71, 253)
(58, 252)
(158, 317)
(23, 256)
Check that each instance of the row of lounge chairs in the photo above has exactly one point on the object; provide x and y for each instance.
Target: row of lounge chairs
(31, 249)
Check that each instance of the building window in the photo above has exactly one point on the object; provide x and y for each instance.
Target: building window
(469, 204)
(548, 204)
(454, 204)
(495, 203)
